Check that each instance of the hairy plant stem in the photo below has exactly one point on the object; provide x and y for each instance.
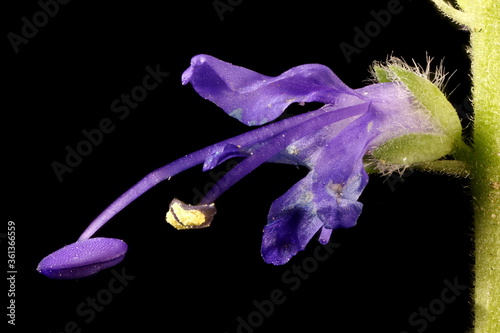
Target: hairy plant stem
(482, 18)
(485, 163)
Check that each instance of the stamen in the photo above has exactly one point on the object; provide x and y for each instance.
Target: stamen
(244, 140)
(183, 216)
(279, 142)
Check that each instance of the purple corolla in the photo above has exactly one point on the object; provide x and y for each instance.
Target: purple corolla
(331, 142)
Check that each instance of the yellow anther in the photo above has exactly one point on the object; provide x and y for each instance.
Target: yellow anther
(184, 216)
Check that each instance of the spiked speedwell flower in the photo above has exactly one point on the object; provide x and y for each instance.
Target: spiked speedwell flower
(331, 142)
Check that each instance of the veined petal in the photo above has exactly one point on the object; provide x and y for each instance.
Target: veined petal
(256, 99)
(340, 175)
(291, 224)
(326, 198)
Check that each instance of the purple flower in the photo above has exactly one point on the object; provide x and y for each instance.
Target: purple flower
(331, 142)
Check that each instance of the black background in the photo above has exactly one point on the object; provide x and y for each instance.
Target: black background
(410, 238)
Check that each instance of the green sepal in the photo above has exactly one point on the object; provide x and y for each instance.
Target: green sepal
(445, 167)
(414, 148)
(381, 74)
(426, 93)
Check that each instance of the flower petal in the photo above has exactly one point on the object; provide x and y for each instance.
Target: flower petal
(256, 99)
(284, 238)
(324, 236)
(326, 198)
(292, 224)
(83, 258)
(336, 195)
